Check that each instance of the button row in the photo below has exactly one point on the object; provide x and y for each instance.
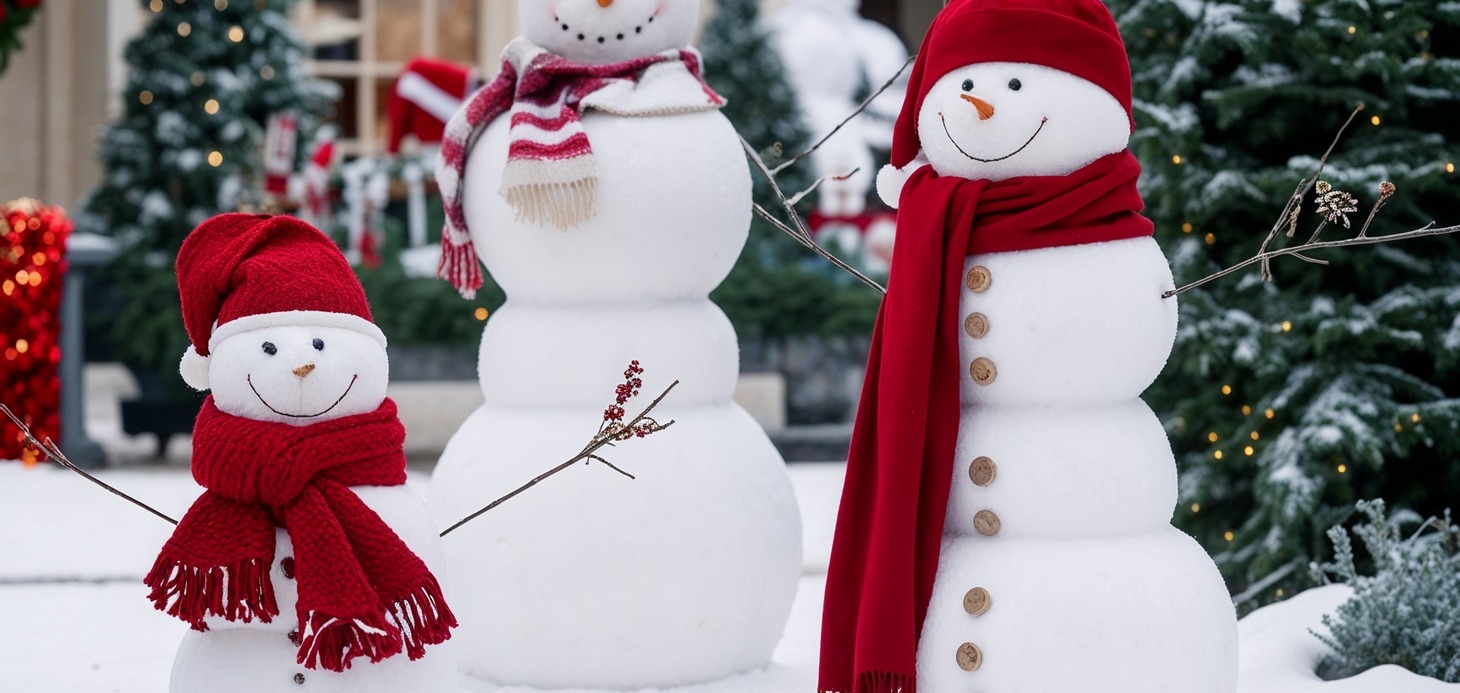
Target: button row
(982, 470)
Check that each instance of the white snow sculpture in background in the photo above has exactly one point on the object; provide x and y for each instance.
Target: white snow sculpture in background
(687, 573)
(1024, 270)
(834, 57)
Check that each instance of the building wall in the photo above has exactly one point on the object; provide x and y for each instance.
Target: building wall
(54, 99)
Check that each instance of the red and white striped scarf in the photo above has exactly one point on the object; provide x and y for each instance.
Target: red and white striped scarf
(550, 174)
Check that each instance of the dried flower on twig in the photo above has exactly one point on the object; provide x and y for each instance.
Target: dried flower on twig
(1335, 205)
(614, 429)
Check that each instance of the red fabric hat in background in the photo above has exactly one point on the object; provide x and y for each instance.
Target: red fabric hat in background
(424, 98)
(240, 272)
(1075, 36)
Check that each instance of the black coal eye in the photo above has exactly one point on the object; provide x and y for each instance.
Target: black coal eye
(968, 85)
(318, 344)
(1015, 84)
(270, 349)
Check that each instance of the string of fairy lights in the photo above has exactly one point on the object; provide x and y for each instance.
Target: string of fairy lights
(235, 33)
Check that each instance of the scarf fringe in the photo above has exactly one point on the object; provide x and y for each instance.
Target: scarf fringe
(878, 682)
(563, 204)
(239, 592)
(459, 264)
(329, 642)
(423, 618)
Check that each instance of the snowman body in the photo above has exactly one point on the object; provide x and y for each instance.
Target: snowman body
(247, 381)
(258, 657)
(686, 573)
(1059, 569)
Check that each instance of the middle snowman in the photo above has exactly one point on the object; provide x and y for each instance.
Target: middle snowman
(1005, 526)
(598, 181)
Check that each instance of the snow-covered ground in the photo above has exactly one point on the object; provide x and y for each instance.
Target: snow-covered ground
(74, 614)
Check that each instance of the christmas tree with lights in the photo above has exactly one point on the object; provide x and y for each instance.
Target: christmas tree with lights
(204, 77)
(1288, 400)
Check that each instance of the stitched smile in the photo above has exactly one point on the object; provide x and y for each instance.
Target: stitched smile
(990, 161)
(301, 416)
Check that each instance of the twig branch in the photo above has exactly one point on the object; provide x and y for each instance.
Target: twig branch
(605, 437)
(53, 453)
(1334, 206)
(1428, 230)
(796, 199)
(860, 108)
(797, 227)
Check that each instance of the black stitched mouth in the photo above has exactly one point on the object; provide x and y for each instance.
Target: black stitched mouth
(990, 161)
(249, 377)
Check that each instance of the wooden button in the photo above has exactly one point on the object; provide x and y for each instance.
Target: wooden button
(983, 372)
(299, 678)
(978, 279)
(976, 325)
(977, 601)
(970, 658)
(986, 522)
(982, 471)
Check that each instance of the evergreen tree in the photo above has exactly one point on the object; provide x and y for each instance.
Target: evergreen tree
(778, 288)
(204, 77)
(1287, 401)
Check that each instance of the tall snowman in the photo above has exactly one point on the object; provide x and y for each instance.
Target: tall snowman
(306, 560)
(607, 195)
(1005, 524)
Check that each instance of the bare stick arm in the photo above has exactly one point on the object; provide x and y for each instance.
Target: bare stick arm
(53, 453)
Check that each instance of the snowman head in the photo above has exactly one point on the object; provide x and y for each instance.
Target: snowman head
(298, 374)
(597, 32)
(1008, 88)
(1002, 120)
(280, 325)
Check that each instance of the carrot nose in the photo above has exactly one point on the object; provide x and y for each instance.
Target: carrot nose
(304, 370)
(985, 109)
(604, 3)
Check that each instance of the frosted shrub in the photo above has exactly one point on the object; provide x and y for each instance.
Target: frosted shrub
(1408, 612)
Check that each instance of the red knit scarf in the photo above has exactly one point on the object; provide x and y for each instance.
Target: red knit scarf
(362, 592)
(890, 527)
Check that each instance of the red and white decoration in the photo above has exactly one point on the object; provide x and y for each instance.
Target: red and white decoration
(281, 142)
(424, 97)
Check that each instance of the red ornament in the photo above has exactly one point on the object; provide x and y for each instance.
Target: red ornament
(32, 272)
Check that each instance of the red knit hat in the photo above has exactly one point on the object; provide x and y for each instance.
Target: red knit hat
(240, 272)
(1074, 36)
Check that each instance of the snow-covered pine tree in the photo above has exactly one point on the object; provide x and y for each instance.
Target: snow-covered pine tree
(204, 75)
(1287, 401)
(778, 288)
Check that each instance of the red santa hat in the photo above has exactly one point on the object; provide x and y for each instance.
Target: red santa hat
(240, 272)
(1075, 36)
(424, 98)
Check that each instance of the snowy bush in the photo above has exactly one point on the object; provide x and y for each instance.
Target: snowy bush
(1408, 612)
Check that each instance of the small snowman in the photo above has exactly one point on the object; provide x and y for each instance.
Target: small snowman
(1005, 523)
(600, 184)
(306, 559)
